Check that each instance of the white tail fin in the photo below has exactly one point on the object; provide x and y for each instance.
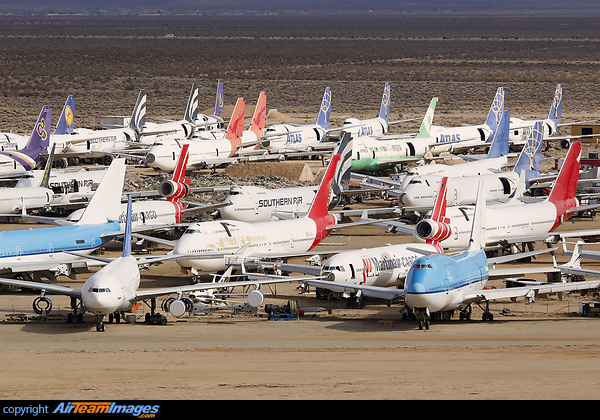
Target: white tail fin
(477, 240)
(575, 261)
(105, 205)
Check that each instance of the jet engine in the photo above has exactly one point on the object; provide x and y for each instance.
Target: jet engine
(42, 305)
(174, 190)
(430, 229)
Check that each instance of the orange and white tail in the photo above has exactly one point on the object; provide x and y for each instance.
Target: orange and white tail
(235, 128)
(257, 126)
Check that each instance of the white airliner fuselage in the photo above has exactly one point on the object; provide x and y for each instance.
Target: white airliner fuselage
(250, 203)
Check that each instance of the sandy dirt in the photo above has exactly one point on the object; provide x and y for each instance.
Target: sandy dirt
(543, 350)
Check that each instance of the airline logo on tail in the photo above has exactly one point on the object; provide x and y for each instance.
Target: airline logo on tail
(325, 112)
(496, 109)
(40, 129)
(191, 110)
(220, 100)
(427, 120)
(138, 117)
(235, 129)
(384, 111)
(341, 177)
(556, 108)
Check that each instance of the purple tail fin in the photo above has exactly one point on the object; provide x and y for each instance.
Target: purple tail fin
(38, 142)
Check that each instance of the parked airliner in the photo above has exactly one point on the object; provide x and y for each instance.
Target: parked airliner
(115, 287)
(420, 193)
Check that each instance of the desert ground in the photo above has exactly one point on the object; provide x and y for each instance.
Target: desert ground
(544, 350)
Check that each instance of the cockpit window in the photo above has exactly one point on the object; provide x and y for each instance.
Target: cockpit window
(99, 290)
(422, 266)
(191, 230)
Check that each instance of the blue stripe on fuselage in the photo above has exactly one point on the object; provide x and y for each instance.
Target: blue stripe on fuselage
(55, 239)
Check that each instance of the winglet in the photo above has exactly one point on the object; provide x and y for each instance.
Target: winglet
(127, 235)
(220, 100)
(67, 117)
(325, 111)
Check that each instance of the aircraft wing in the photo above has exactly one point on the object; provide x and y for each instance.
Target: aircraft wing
(48, 288)
(529, 291)
(257, 282)
(385, 293)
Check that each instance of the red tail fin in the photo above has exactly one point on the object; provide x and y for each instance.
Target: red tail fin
(566, 182)
(437, 228)
(235, 129)
(319, 206)
(260, 115)
(179, 172)
(438, 213)
(565, 187)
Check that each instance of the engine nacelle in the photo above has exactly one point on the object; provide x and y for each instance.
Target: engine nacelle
(428, 229)
(255, 298)
(171, 189)
(42, 305)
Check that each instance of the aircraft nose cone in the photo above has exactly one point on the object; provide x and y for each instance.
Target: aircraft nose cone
(415, 288)
(102, 303)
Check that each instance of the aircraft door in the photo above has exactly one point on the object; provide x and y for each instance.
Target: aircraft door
(18, 252)
(51, 249)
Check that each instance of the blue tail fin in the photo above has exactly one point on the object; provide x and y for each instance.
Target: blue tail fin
(496, 110)
(384, 111)
(530, 159)
(325, 111)
(127, 235)
(67, 117)
(138, 116)
(220, 100)
(191, 109)
(556, 108)
(37, 144)
(499, 144)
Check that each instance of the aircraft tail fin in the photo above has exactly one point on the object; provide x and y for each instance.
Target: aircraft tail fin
(257, 126)
(45, 183)
(556, 108)
(29, 156)
(425, 129)
(324, 117)
(384, 110)
(67, 117)
(530, 159)
(191, 109)
(127, 235)
(320, 205)
(565, 186)
(179, 172)
(477, 239)
(105, 204)
(138, 116)
(500, 143)
(220, 100)
(341, 176)
(496, 110)
(575, 261)
(235, 128)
